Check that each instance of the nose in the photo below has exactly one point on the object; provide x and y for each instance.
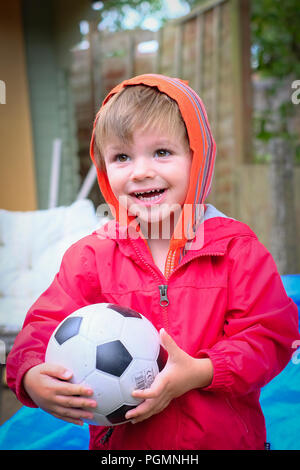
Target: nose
(142, 169)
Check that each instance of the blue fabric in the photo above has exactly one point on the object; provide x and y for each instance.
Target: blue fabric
(32, 428)
(280, 399)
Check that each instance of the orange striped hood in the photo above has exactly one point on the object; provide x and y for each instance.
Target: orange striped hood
(203, 149)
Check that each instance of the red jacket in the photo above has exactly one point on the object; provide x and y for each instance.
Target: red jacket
(227, 302)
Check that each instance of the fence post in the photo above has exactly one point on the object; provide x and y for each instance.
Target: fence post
(283, 232)
(216, 68)
(178, 50)
(159, 39)
(131, 56)
(242, 84)
(199, 53)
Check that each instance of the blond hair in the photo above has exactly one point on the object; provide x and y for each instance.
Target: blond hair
(136, 107)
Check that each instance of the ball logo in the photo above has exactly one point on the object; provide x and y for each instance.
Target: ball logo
(144, 378)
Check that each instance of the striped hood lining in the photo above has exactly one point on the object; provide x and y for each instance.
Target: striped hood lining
(203, 149)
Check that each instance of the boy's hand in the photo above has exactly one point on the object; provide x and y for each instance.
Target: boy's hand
(48, 386)
(181, 373)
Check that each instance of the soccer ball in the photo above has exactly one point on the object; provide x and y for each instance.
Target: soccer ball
(112, 349)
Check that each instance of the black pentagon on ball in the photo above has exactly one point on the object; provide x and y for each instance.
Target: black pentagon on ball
(68, 329)
(118, 416)
(125, 311)
(112, 358)
(162, 358)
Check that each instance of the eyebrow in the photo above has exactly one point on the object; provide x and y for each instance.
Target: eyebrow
(163, 143)
(156, 143)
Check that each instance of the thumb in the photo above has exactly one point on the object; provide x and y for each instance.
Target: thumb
(168, 343)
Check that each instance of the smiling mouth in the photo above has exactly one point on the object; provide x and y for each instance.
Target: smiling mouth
(149, 196)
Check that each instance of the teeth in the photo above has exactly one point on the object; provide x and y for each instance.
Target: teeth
(147, 192)
(153, 198)
(142, 195)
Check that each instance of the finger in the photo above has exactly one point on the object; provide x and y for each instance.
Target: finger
(146, 393)
(72, 413)
(146, 409)
(67, 388)
(57, 371)
(168, 343)
(76, 402)
(141, 410)
(79, 422)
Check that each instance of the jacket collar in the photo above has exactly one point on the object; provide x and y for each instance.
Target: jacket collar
(213, 236)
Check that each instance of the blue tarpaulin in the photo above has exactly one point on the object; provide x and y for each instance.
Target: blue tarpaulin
(280, 399)
(33, 429)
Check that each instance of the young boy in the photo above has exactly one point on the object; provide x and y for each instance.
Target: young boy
(203, 279)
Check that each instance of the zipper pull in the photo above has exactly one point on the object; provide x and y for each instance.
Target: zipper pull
(163, 301)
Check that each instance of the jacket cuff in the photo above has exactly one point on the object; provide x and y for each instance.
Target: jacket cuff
(222, 378)
(21, 393)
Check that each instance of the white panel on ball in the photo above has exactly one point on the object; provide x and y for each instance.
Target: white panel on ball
(107, 391)
(138, 344)
(77, 354)
(98, 326)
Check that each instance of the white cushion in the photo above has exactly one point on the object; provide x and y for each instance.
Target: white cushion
(31, 248)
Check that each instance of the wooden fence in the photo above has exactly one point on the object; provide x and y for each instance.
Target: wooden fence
(209, 47)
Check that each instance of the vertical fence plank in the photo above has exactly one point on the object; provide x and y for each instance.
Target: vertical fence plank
(178, 50)
(241, 80)
(246, 79)
(199, 53)
(131, 56)
(216, 68)
(158, 56)
(91, 56)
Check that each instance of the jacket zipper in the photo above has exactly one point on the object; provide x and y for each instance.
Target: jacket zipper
(163, 301)
(163, 298)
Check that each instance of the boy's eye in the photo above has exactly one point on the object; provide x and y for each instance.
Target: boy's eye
(121, 157)
(162, 153)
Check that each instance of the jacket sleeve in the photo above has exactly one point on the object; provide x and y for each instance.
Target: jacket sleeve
(261, 323)
(75, 285)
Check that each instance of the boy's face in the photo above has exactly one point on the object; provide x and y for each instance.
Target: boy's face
(150, 175)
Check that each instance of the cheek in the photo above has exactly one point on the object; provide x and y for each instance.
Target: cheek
(183, 181)
(114, 181)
